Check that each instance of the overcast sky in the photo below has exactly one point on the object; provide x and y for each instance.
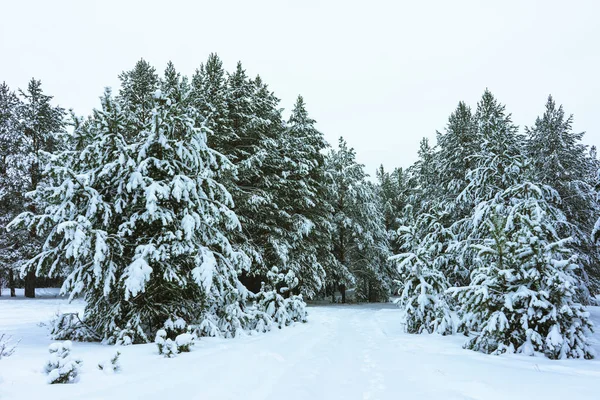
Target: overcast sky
(383, 74)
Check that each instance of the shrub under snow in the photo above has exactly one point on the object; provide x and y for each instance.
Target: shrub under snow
(111, 366)
(61, 367)
(276, 308)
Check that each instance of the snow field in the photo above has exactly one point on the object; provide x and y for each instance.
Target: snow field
(343, 352)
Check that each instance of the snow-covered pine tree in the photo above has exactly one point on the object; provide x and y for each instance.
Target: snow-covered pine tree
(61, 367)
(41, 126)
(496, 165)
(423, 283)
(301, 194)
(521, 296)
(393, 193)
(423, 179)
(209, 87)
(492, 166)
(359, 238)
(563, 162)
(456, 148)
(14, 163)
(255, 151)
(136, 96)
(246, 150)
(141, 225)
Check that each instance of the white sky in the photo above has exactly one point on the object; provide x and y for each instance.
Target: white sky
(381, 73)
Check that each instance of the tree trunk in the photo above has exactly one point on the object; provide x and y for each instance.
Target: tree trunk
(30, 284)
(333, 294)
(11, 283)
(343, 291)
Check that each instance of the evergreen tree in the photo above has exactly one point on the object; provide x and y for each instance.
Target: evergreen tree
(394, 197)
(209, 87)
(137, 95)
(423, 176)
(302, 195)
(563, 162)
(521, 294)
(457, 148)
(14, 163)
(142, 226)
(422, 268)
(41, 127)
(359, 238)
(493, 165)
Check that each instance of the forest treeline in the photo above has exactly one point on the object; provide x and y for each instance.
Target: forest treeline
(193, 198)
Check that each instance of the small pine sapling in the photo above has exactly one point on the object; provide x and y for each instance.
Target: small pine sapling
(111, 366)
(184, 342)
(61, 367)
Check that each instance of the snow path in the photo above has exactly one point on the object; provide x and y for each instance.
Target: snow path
(344, 352)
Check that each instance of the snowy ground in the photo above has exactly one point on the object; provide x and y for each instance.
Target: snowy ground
(344, 352)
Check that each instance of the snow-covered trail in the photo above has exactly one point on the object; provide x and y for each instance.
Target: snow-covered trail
(344, 352)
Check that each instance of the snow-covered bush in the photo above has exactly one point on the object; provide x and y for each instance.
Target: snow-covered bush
(176, 326)
(7, 347)
(111, 366)
(184, 342)
(61, 367)
(68, 326)
(171, 347)
(124, 337)
(521, 296)
(278, 309)
(160, 339)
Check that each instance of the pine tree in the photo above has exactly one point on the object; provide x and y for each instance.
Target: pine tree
(457, 148)
(493, 165)
(423, 176)
(393, 194)
(521, 294)
(209, 87)
(359, 238)
(142, 226)
(301, 194)
(13, 179)
(562, 161)
(137, 95)
(422, 268)
(255, 151)
(41, 127)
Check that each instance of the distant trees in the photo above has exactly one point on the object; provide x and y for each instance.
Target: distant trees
(30, 129)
